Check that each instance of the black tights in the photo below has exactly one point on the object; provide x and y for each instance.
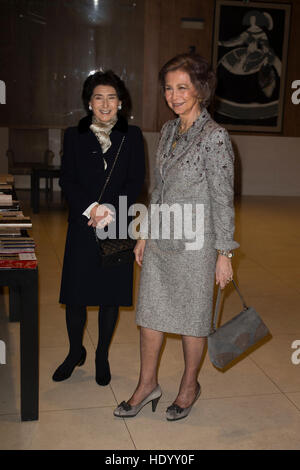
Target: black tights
(76, 319)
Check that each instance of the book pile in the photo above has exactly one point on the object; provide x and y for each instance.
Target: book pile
(17, 252)
(14, 219)
(7, 179)
(7, 194)
(16, 249)
(18, 260)
(16, 245)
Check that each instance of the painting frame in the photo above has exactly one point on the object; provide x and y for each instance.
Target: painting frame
(250, 61)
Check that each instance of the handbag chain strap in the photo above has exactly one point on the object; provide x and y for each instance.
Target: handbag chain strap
(111, 170)
(216, 312)
(109, 175)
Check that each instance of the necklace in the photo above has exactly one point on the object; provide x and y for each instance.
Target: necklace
(177, 135)
(179, 132)
(175, 140)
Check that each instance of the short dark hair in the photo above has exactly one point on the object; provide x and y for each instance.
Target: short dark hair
(199, 70)
(111, 79)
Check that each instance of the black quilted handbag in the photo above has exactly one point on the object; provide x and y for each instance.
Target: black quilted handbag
(236, 336)
(114, 252)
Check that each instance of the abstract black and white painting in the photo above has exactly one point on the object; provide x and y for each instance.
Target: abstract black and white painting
(250, 56)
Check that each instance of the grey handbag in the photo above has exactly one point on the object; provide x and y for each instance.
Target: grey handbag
(236, 336)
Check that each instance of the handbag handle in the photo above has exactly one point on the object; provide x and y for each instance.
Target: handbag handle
(216, 312)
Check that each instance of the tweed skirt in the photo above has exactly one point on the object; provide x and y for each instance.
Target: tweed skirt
(176, 289)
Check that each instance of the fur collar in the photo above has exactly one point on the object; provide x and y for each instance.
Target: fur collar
(84, 124)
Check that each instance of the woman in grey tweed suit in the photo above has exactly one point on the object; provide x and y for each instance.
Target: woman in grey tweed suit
(194, 166)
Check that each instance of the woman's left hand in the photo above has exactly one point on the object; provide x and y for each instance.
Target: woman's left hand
(224, 272)
(100, 216)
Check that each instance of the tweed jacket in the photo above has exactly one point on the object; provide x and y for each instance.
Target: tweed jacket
(199, 170)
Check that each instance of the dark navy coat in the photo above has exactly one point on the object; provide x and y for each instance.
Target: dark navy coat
(84, 281)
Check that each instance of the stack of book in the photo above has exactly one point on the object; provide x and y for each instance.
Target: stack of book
(16, 250)
(7, 194)
(7, 179)
(14, 219)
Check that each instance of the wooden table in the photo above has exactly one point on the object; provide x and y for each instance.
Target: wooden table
(23, 286)
(47, 172)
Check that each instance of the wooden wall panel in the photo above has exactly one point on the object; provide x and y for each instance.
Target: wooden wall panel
(174, 40)
(151, 61)
(47, 48)
(291, 120)
(55, 45)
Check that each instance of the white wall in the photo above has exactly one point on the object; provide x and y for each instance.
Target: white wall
(268, 165)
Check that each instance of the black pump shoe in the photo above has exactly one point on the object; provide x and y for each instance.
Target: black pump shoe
(65, 370)
(103, 376)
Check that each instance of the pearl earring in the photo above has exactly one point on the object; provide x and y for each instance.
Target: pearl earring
(119, 107)
(90, 107)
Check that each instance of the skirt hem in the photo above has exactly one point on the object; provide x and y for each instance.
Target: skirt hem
(175, 331)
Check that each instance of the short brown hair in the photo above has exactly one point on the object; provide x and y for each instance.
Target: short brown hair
(199, 70)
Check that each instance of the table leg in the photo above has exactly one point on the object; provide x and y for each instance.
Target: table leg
(51, 188)
(31, 188)
(29, 332)
(36, 193)
(47, 189)
(14, 303)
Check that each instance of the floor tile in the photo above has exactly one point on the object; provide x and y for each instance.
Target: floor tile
(255, 404)
(79, 429)
(275, 360)
(254, 422)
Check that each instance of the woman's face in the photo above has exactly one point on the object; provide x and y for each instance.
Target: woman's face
(104, 102)
(181, 94)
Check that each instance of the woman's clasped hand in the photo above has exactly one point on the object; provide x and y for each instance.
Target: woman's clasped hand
(101, 216)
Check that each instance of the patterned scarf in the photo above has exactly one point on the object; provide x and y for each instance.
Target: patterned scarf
(102, 132)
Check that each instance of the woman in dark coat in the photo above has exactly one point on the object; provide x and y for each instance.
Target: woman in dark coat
(88, 155)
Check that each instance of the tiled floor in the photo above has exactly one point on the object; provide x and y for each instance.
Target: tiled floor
(253, 405)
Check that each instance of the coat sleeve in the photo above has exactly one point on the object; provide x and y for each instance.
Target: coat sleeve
(220, 177)
(76, 196)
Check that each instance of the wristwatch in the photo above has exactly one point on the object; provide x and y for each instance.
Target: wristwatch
(228, 254)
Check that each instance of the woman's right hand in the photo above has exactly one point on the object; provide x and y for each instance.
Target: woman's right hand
(139, 251)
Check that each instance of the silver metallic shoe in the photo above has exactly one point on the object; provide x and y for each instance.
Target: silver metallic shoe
(175, 412)
(124, 410)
